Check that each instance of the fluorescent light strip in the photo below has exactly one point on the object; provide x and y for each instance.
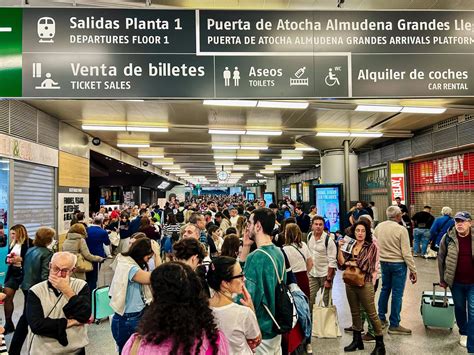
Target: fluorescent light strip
(367, 134)
(281, 163)
(227, 163)
(248, 157)
(133, 145)
(272, 167)
(172, 167)
(291, 157)
(236, 103)
(263, 133)
(226, 147)
(162, 163)
(283, 104)
(226, 131)
(147, 129)
(305, 149)
(241, 167)
(150, 156)
(333, 134)
(428, 110)
(378, 108)
(87, 127)
(254, 147)
(217, 157)
(267, 172)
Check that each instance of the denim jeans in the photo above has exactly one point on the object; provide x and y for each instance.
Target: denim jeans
(463, 297)
(394, 276)
(124, 326)
(420, 236)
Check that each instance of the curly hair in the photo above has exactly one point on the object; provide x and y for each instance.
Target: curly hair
(188, 247)
(368, 231)
(176, 287)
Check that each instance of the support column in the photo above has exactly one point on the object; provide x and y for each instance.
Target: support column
(347, 179)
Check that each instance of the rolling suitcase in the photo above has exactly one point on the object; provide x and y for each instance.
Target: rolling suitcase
(100, 304)
(437, 308)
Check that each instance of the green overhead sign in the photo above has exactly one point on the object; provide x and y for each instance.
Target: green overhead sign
(10, 52)
(127, 54)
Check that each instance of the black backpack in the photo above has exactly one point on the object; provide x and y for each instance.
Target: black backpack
(286, 316)
(180, 216)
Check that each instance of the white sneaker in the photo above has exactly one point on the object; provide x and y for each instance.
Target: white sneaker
(463, 341)
(309, 349)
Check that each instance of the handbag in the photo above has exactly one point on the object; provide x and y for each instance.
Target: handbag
(114, 238)
(325, 321)
(136, 345)
(353, 276)
(82, 265)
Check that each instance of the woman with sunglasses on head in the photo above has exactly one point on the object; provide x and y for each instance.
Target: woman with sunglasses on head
(237, 322)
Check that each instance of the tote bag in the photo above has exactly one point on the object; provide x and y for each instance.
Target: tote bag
(325, 321)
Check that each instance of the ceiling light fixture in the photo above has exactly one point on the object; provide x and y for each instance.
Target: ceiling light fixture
(147, 129)
(227, 163)
(241, 167)
(162, 163)
(150, 156)
(283, 104)
(133, 145)
(226, 147)
(291, 157)
(89, 127)
(303, 148)
(272, 167)
(263, 133)
(226, 131)
(333, 134)
(427, 110)
(172, 167)
(217, 157)
(281, 163)
(253, 147)
(378, 108)
(367, 134)
(267, 172)
(248, 157)
(235, 103)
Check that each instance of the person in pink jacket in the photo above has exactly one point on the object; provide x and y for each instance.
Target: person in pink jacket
(178, 320)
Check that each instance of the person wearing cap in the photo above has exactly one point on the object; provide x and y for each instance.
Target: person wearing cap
(456, 270)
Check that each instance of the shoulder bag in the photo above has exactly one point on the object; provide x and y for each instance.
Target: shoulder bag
(82, 265)
(353, 276)
(136, 345)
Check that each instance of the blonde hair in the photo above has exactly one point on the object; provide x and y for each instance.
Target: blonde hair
(21, 234)
(293, 234)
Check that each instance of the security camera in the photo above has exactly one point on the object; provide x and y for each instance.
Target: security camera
(167, 173)
(96, 141)
(145, 163)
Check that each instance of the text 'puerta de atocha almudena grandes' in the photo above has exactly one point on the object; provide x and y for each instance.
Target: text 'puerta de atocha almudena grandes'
(113, 53)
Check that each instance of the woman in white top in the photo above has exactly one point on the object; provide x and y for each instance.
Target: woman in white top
(298, 255)
(237, 322)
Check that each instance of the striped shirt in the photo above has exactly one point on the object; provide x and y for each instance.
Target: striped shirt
(168, 229)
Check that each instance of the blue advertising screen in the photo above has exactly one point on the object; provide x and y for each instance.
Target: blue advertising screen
(328, 205)
(268, 197)
(250, 196)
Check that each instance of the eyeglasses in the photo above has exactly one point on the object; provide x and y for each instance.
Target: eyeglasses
(57, 270)
(239, 276)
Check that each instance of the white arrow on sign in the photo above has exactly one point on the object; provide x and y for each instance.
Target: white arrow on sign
(5, 29)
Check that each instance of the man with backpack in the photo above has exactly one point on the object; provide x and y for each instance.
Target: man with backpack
(262, 281)
(323, 251)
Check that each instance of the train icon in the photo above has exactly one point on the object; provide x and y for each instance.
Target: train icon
(46, 28)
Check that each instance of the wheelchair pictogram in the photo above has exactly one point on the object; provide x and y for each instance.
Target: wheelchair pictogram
(331, 79)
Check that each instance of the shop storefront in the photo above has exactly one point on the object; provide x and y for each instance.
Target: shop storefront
(374, 185)
(446, 180)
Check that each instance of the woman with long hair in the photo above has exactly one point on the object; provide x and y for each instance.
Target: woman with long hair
(179, 320)
(214, 240)
(237, 322)
(19, 244)
(149, 230)
(363, 257)
(129, 290)
(231, 246)
(299, 256)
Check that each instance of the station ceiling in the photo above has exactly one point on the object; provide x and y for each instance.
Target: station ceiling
(188, 142)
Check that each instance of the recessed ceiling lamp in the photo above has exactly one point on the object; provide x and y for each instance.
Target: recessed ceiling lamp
(147, 129)
(253, 147)
(283, 104)
(263, 133)
(226, 147)
(367, 134)
(150, 156)
(226, 131)
(235, 103)
(305, 148)
(427, 110)
(90, 127)
(378, 108)
(333, 134)
(248, 157)
(133, 145)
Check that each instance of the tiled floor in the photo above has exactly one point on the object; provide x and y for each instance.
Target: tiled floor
(422, 341)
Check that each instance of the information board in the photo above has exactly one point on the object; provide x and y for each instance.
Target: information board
(128, 53)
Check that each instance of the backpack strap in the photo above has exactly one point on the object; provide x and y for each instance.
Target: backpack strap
(304, 258)
(274, 265)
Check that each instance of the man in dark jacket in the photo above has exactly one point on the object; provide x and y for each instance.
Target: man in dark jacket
(302, 220)
(96, 239)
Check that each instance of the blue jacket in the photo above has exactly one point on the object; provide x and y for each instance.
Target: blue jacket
(439, 228)
(302, 308)
(96, 237)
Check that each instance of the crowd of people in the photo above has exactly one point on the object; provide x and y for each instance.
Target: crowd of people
(240, 277)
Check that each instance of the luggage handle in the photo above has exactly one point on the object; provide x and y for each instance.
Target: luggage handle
(445, 298)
